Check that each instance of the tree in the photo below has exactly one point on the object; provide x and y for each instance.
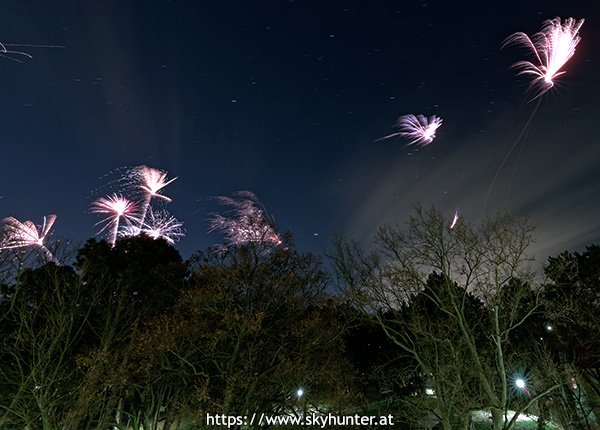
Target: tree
(572, 334)
(252, 329)
(42, 330)
(457, 324)
(136, 280)
(385, 378)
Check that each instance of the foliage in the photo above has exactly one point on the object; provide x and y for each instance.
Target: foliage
(435, 322)
(572, 304)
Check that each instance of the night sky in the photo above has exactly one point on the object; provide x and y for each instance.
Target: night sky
(285, 99)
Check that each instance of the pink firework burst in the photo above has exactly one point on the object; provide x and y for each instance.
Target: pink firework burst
(116, 208)
(158, 225)
(245, 222)
(150, 181)
(552, 46)
(26, 234)
(419, 129)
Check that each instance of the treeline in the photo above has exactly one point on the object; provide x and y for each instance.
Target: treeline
(429, 324)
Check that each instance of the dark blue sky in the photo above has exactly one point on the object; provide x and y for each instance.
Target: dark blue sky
(285, 99)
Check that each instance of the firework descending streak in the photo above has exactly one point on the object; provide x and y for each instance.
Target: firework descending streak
(418, 129)
(21, 235)
(552, 47)
(245, 221)
(126, 217)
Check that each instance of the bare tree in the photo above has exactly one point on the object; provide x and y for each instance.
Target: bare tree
(458, 323)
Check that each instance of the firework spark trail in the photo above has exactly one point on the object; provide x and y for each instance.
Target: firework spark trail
(116, 207)
(6, 53)
(150, 181)
(26, 234)
(520, 138)
(455, 219)
(158, 225)
(553, 46)
(418, 128)
(246, 222)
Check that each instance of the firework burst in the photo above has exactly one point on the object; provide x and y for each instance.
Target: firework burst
(158, 225)
(245, 222)
(552, 46)
(150, 181)
(26, 234)
(116, 208)
(419, 129)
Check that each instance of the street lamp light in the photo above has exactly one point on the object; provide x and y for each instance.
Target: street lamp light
(521, 384)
